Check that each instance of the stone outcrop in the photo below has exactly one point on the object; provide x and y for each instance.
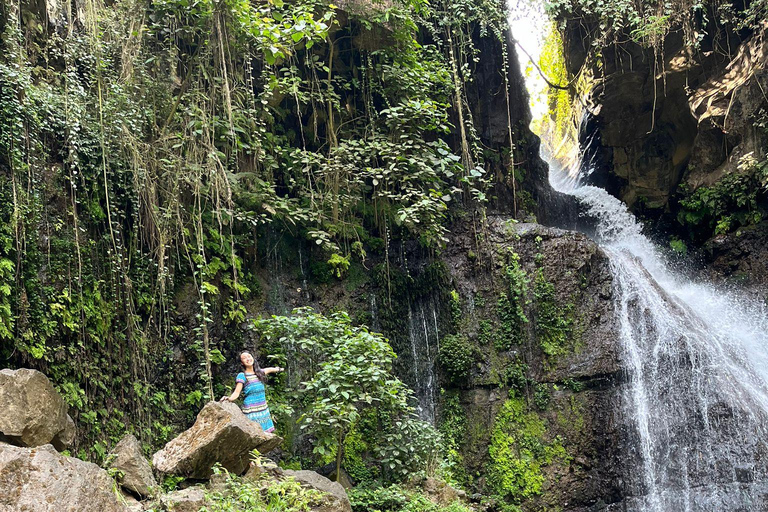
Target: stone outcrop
(128, 459)
(583, 380)
(222, 434)
(32, 413)
(741, 257)
(191, 499)
(42, 479)
(440, 492)
(687, 118)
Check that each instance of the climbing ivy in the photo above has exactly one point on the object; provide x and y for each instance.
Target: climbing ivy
(554, 322)
(511, 304)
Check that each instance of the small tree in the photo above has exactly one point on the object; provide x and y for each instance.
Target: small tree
(346, 369)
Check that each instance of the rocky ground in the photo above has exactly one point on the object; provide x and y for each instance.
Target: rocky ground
(34, 475)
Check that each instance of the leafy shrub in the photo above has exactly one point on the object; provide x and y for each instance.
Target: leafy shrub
(732, 202)
(240, 495)
(339, 265)
(340, 374)
(456, 356)
(396, 499)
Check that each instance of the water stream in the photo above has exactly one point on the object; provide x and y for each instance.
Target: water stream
(695, 357)
(423, 337)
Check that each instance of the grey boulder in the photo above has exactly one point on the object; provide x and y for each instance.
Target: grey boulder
(127, 458)
(336, 499)
(32, 413)
(42, 479)
(191, 499)
(222, 434)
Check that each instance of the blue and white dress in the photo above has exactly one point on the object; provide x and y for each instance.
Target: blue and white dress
(255, 400)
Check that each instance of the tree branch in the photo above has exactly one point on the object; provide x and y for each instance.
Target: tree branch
(549, 83)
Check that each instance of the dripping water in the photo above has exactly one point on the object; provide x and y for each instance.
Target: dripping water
(375, 325)
(423, 339)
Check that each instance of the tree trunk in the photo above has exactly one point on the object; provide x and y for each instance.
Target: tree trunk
(338, 455)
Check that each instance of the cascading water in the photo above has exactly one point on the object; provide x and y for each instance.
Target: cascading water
(695, 358)
(696, 361)
(424, 336)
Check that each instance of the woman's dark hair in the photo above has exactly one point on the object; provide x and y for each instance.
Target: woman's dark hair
(256, 368)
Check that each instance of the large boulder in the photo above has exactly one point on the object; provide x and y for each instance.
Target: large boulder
(32, 413)
(222, 434)
(43, 479)
(191, 499)
(127, 458)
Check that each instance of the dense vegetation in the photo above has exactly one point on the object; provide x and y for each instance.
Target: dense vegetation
(169, 167)
(156, 155)
(152, 149)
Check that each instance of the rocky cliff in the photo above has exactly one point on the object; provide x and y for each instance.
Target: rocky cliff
(675, 123)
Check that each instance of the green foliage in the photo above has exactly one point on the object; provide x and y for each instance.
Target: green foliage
(678, 246)
(541, 396)
(453, 427)
(457, 355)
(397, 499)
(455, 302)
(342, 372)
(558, 118)
(732, 202)
(6, 314)
(516, 376)
(648, 22)
(554, 323)
(261, 495)
(339, 265)
(359, 447)
(518, 451)
(511, 304)
(150, 150)
(171, 483)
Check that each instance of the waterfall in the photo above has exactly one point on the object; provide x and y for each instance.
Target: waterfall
(696, 361)
(423, 337)
(694, 400)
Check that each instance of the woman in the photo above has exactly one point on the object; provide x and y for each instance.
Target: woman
(252, 379)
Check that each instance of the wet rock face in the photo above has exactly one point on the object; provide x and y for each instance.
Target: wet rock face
(650, 132)
(32, 413)
(222, 434)
(741, 257)
(42, 479)
(583, 382)
(129, 460)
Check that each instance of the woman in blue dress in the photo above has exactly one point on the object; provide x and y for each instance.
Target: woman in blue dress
(251, 381)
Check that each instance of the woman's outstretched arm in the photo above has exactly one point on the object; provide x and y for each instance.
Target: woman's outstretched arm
(273, 369)
(235, 394)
